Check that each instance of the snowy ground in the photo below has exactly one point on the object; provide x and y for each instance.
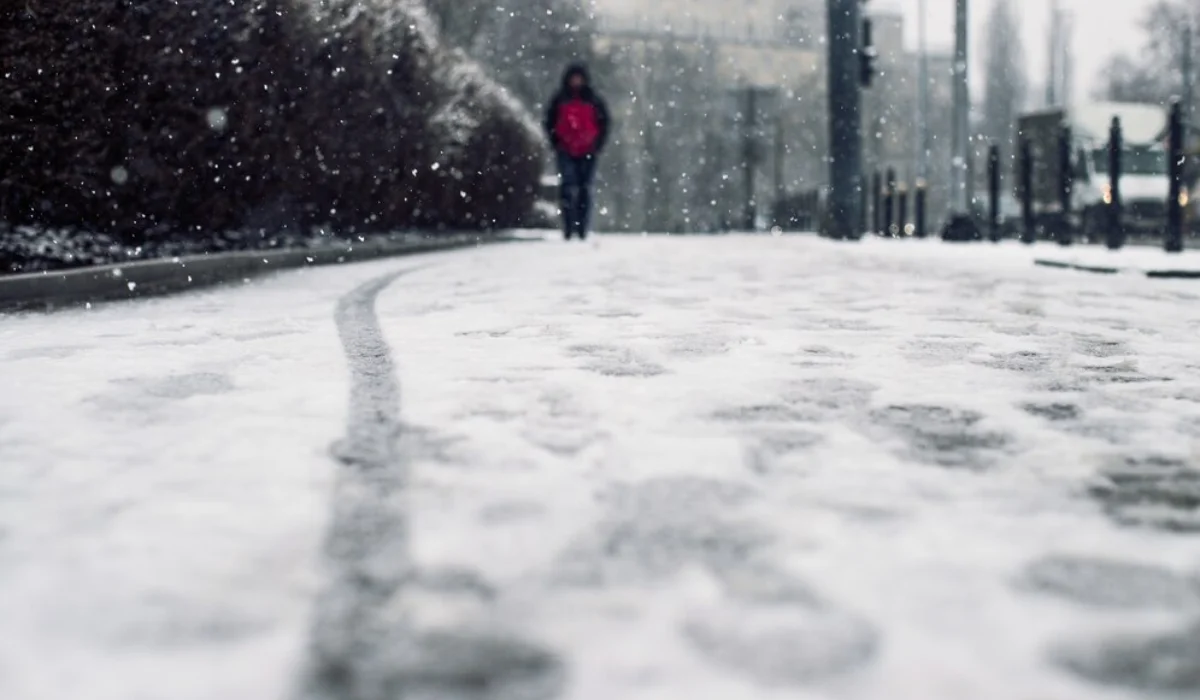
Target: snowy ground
(649, 468)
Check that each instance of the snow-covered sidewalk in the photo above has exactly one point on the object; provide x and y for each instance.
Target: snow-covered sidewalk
(755, 467)
(735, 467)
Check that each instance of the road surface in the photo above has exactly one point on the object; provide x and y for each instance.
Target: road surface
(647, 468)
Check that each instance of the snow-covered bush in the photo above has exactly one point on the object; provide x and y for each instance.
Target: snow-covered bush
(153, 120)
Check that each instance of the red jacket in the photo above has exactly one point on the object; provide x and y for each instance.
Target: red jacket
(577, 124)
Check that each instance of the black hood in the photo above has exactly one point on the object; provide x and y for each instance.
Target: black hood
(573, 70)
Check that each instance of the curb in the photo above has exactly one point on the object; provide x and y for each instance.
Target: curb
(1053, 263)
(1102, 270)
(147, 278)
(1174, 274)
(1058, 264)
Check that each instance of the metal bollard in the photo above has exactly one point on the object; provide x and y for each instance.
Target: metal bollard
(1066, 184)
(876, 199)
(1173, 237)
(1115, 233)
(864, 190)
(919, 210)
(994, 193)
(889, 205)
(1029, 232)
(902, 208)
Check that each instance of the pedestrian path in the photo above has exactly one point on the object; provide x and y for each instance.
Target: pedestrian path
(783, 467)
(732, 467)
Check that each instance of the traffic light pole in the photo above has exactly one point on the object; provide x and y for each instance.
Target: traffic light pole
(1186, 70)
(922, 97)
(962, 102)
(845, 120)
(962, 225)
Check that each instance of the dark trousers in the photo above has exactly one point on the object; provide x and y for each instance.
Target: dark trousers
(576, 174)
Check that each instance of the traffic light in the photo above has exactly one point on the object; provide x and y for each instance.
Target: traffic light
(867, 54)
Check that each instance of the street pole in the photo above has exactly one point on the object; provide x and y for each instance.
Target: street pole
(1186, 71)
(962, 225)
(1067, 33)
(1055, 56)
(961, 110)
(845, 119)
(922, 96)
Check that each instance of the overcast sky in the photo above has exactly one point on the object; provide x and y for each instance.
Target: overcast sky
(1102, 28)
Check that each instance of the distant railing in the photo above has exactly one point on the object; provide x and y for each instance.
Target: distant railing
(1048, 208)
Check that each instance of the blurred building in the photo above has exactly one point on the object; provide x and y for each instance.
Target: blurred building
(765, 43)
(684, 66)
(690, 66)
(892, 134)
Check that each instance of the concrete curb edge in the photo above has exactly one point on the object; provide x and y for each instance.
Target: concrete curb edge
(147, 278)
(1104, 270)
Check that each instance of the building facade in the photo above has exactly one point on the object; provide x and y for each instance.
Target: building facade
(893, 137)
(702, 95)
(685, 132)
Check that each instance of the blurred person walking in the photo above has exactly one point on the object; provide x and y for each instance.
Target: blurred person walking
(577, 124)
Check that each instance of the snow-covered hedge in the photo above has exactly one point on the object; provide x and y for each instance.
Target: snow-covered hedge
(189, 117)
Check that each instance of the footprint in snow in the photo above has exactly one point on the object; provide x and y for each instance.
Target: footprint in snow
(1108, 583)
(947, 437)
(1156, 663)
(612, 361)
(1157, 492)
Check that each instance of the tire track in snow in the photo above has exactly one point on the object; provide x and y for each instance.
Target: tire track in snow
(367, 641)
